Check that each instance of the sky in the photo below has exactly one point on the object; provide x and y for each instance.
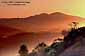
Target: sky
(72, 7)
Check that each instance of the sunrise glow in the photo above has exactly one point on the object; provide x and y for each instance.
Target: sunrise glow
(81, 24)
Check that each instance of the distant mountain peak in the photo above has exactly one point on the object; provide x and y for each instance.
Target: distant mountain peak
(57, 13)
(44, 14)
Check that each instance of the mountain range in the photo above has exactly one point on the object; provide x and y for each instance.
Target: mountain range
(43, 22)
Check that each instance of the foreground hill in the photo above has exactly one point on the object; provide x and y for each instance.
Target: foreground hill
(75, 43)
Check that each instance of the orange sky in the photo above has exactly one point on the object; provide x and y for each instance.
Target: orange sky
(73, 7)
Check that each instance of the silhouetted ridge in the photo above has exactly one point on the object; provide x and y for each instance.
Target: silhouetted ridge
(57, 13)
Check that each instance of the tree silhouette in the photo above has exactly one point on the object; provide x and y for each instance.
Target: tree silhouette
(23, 50)
(75, 25)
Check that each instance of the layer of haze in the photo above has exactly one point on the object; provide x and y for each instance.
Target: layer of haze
(73, 7)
